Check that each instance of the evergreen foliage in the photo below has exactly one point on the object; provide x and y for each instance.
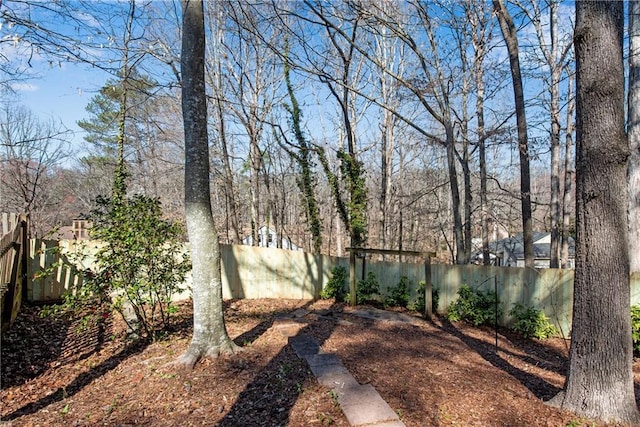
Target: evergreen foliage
(303, 157)
(367, 289)
(139, 268)
(474, 306)
(531, 322)
(419, 304)
(353, 171)
(398, 296)
(635, 328)
(337, 285)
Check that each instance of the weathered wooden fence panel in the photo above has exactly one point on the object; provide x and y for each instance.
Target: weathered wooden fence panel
(8, 222)
(255, 272)
(12, 266)
(549, 290)
(54, 269)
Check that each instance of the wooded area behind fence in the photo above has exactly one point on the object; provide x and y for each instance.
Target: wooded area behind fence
(256, 272)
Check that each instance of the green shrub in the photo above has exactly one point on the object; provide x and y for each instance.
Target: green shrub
(474, 306)
(635, 328)
(419, 304)
(367, 288)
(139, 266)
(531, 322)
(398, 296)
(337, 285)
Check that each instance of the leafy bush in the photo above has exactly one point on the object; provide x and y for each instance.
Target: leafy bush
(367, 288)
(139, 268)
(419, 304)
(435, 299)
(635, 328)
(337, 285)
(398, 296)
(474, 306)
(531, 322)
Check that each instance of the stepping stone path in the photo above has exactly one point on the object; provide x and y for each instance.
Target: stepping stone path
(361, 404)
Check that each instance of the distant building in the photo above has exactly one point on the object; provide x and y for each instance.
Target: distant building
(509, 252)
(79, 230)
(267, 238)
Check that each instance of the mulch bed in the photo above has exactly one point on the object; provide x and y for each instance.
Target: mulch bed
(58, 372)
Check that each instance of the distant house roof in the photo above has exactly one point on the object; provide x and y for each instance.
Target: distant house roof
(513, 246)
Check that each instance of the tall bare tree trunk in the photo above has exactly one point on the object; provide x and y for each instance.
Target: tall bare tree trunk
(634, 137)
(229, 188)
(600, 379)
(210, 336)
(458, 233)
(556, 70)
(511, 40)
(567, 205)
(478, 24)
(255, 158)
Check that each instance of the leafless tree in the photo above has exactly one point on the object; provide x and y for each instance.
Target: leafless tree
(511, 39)
(32, 154)
(555, 48)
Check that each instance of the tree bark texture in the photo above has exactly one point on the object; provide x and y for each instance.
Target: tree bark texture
(511, 39)
(209, 332)
(634, 137)
(600, 380)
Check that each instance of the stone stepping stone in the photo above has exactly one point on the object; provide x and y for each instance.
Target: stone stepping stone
(304, 345)
(361, 404)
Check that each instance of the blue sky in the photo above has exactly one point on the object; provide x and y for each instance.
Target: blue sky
(62, 93)
(58, 86)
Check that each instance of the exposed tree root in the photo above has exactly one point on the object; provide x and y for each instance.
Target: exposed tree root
(195, 353)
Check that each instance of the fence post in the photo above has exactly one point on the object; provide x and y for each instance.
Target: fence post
(24, 261)
(352, 278)
(428, 286)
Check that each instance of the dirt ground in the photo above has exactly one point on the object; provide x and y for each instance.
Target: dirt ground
(433, 373)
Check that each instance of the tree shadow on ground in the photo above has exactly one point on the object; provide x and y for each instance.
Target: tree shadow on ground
(271, 399)
(79, 382)
(538, 386)
(36, 340)
(248, 337)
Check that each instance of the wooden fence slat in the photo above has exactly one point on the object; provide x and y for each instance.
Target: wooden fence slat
(12, 267)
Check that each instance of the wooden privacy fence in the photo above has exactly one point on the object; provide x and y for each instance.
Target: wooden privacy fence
(13, 266)
(256, 272)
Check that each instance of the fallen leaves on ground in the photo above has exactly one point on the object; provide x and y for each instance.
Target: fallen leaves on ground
(432, 373)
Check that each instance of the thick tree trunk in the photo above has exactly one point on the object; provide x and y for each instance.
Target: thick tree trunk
(511, 40)
(209, 332)
(634, 137)
(600, 379)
